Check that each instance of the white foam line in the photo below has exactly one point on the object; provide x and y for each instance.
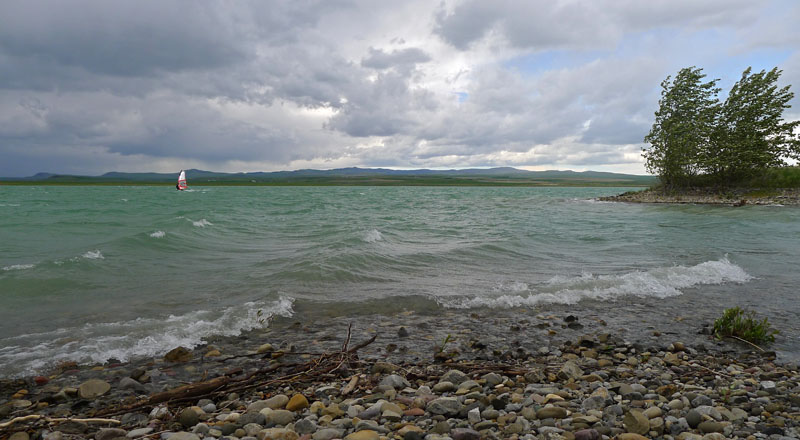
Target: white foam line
(141, 337)
(657, 283)
(19, 267)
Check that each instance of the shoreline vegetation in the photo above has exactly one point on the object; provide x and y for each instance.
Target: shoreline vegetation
(738, 151)
(322, 381)
(773, 186)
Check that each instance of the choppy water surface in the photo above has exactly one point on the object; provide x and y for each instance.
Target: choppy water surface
(90, 273)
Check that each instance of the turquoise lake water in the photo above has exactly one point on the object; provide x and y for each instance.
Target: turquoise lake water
(91, 273)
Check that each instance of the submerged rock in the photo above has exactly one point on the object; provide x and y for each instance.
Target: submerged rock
(178, 354)
(93, 388)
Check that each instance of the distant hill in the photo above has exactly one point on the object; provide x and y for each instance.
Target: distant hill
(503, 176)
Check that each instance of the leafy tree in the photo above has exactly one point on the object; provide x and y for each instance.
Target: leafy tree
(751, 135)
(684, 124)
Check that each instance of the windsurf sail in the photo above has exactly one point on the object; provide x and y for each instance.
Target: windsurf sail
(182, 181)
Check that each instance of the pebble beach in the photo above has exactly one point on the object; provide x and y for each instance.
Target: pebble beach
(516, 375)
(734, 197)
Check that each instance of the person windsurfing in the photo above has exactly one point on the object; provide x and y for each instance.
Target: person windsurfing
(181, 185)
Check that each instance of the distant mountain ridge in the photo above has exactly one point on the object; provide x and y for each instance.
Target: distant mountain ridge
(351, 175)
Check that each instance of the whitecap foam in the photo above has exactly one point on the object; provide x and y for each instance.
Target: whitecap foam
(661, 282)
(202, 223)
(93, 255)
(19, 267)
(372, 236)
(158, 234)
(515, 287)
(141, 337)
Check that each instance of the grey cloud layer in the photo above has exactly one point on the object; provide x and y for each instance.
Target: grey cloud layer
(88, 86)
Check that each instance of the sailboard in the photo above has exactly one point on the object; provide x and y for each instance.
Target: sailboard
(181, 181)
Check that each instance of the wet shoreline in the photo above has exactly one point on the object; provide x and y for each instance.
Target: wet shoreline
(732, 197)
(539, 342)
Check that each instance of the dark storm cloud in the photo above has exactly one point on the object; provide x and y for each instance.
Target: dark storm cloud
(98, 85)
(119, 38)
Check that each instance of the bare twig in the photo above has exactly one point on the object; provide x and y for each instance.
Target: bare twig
(709, 370)
(347, 339)
(55, 420)
(745, 341)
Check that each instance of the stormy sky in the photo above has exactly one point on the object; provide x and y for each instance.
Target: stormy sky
(88, 87)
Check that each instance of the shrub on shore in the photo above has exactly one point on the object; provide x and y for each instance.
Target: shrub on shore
(741, 324)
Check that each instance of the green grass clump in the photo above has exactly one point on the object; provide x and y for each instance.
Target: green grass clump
(741, 324)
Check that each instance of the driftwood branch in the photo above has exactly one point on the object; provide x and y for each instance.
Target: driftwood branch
(350, 385)
(55, 420)
(324, 364)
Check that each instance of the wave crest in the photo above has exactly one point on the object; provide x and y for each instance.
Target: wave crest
(372, 236)
(202, 223)
(661, 282)
(93, 255)
(141, 337)
(19, 267)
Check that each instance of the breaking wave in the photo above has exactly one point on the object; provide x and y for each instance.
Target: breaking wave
(158, 234)
(202, 223)
(657, 283)
(141, 337)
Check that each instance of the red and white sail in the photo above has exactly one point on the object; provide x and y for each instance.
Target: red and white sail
(182, 180)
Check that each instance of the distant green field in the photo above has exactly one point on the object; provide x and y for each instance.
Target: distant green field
(504, 176)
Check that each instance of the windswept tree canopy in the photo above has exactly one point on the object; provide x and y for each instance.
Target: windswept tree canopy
(751, 134)
(694, 135)
(683, 127)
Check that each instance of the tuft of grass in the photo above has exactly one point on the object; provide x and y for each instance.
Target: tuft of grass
(449, 338)
(740, 324)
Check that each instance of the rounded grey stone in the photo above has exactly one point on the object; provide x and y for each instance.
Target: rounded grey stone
(278, 417)
(305, 426)
(109, 433)
(252, 417)
(448, 406)
(188, 418)
(454, 376)
(594, 402)
(701, 400)
(693, 418)
(327, 434)
(395, 381)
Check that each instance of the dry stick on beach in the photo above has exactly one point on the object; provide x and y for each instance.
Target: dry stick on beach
(55, 420)
(745, 341)
(324, 364)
